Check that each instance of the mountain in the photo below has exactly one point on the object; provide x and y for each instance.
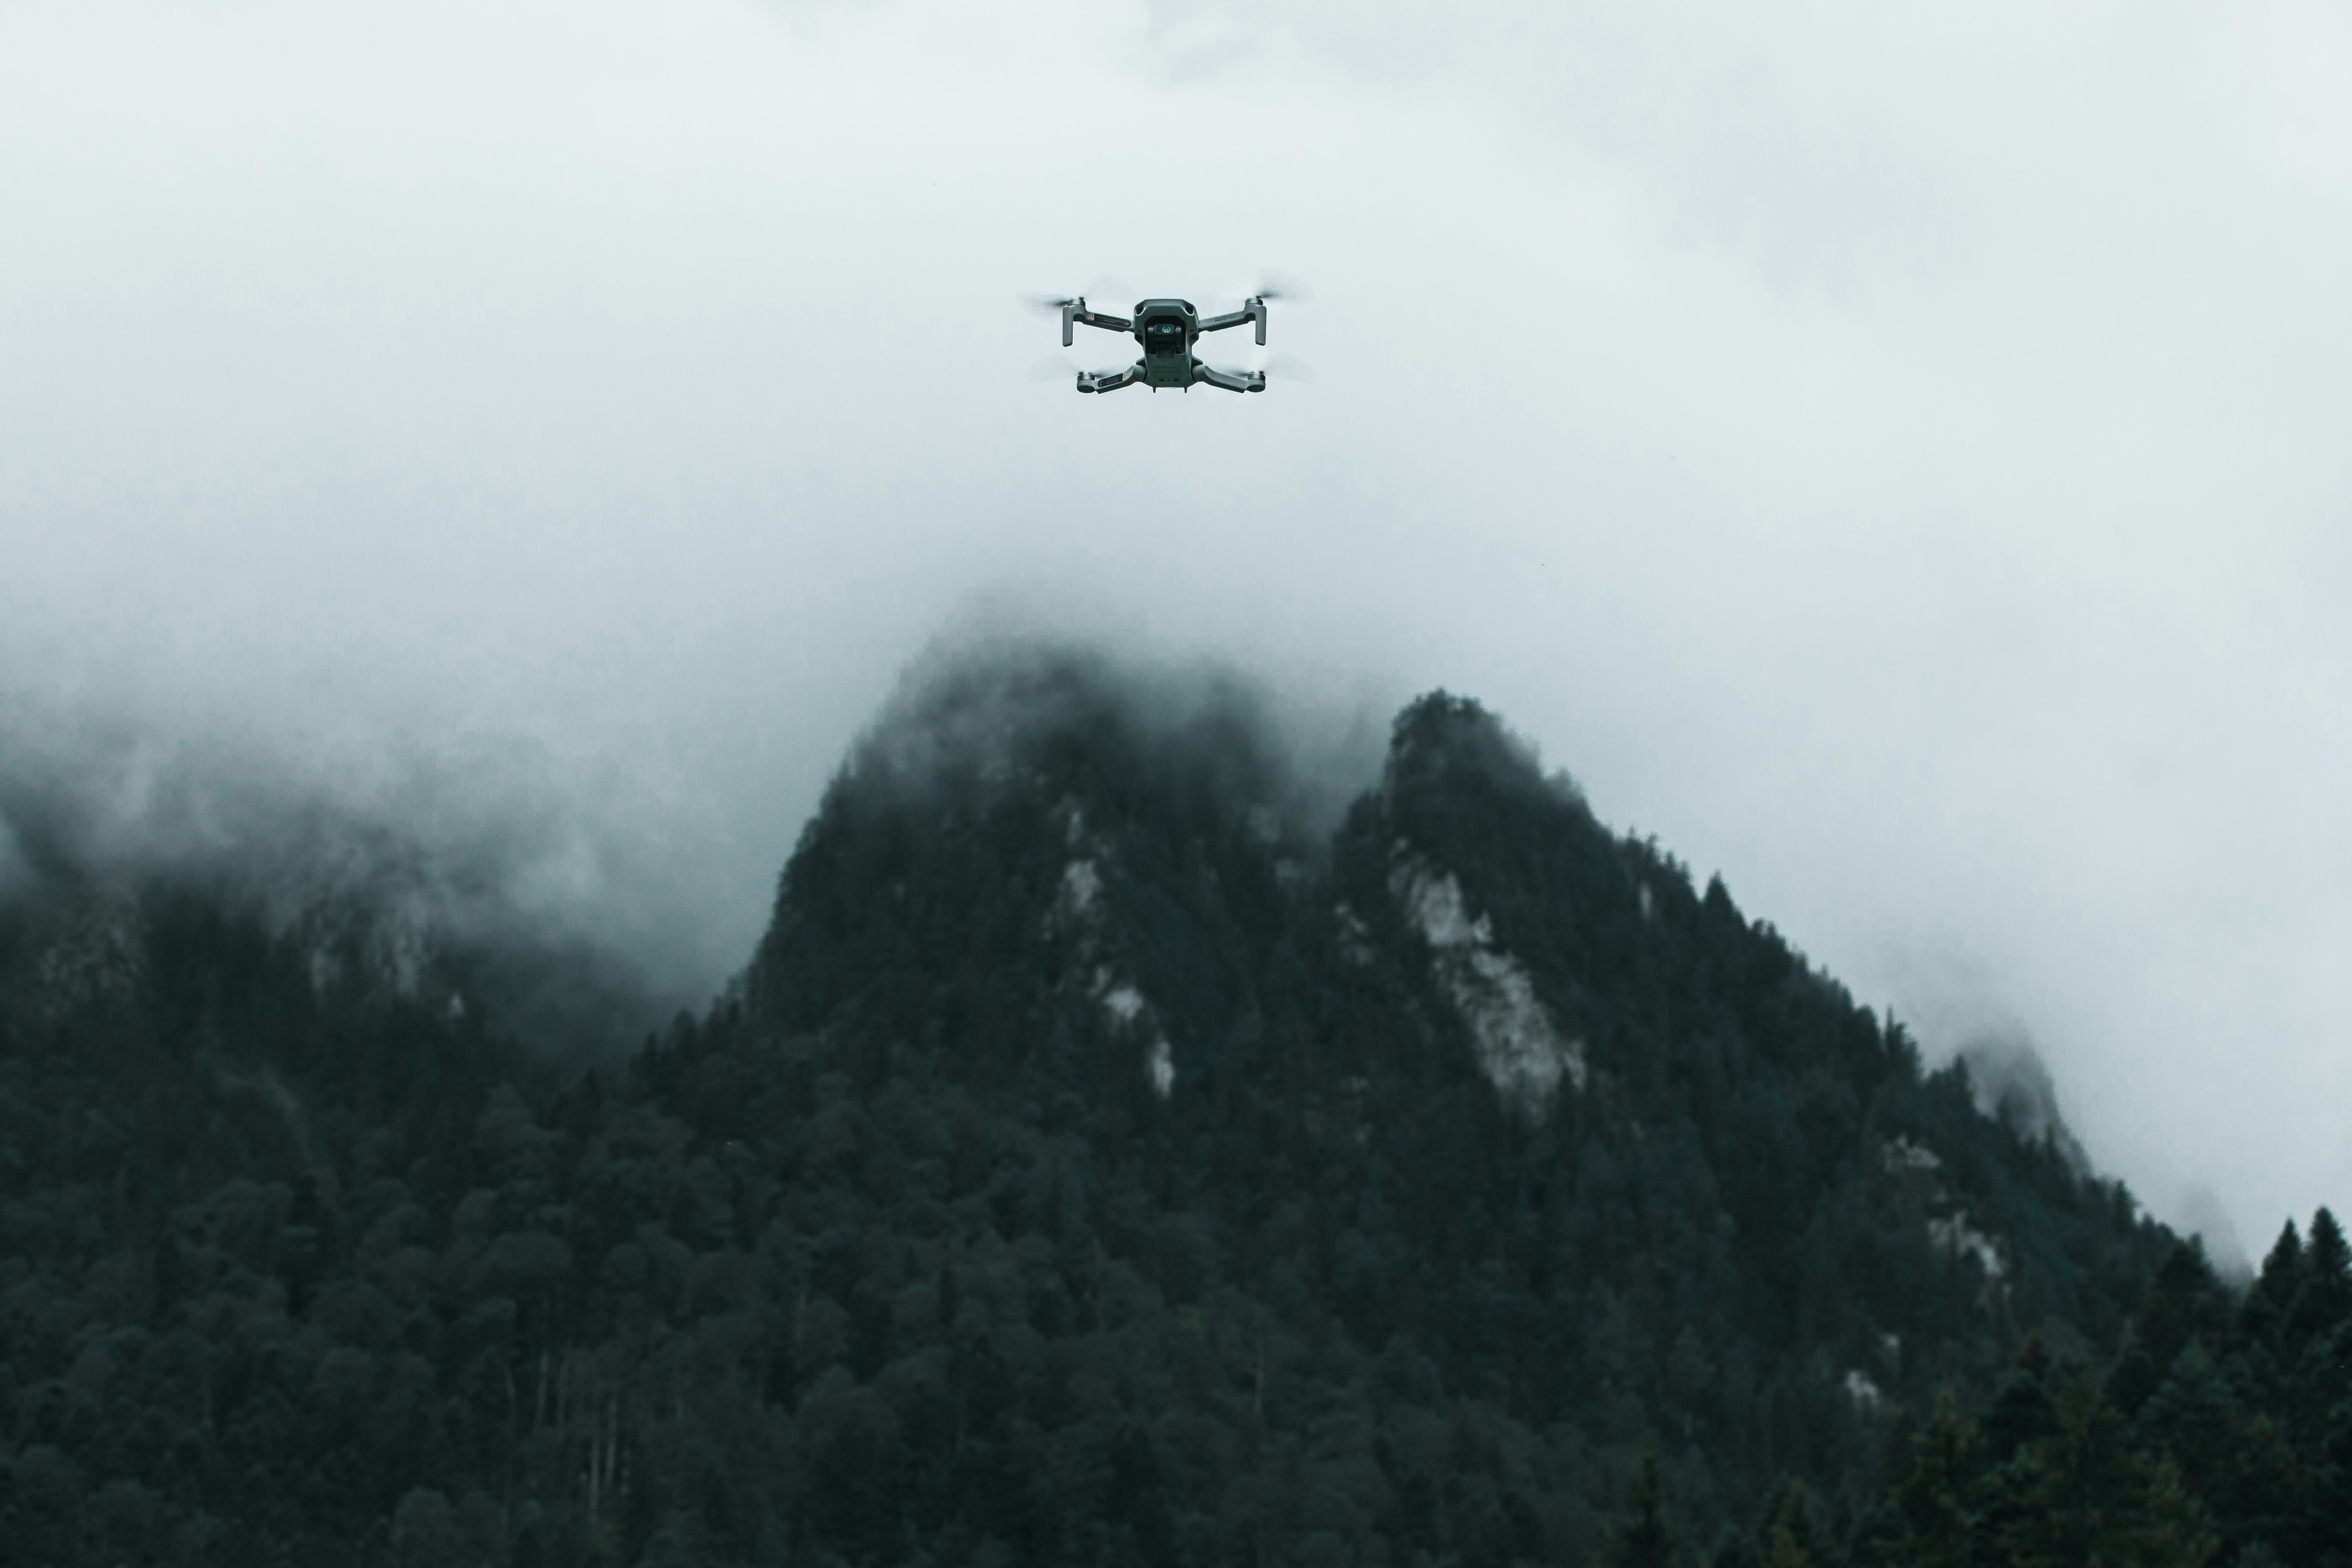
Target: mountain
(1125, 1144)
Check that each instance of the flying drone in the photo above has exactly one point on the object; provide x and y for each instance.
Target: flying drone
(1166, 329)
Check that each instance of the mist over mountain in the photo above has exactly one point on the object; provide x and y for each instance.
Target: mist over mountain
(1153, 1128)
(2013, 1084)
(478, 847)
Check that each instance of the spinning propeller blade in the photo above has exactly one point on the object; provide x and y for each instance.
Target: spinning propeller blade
(1272, 285)
(1109, 292)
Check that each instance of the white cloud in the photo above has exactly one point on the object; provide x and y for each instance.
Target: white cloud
(1894, 456)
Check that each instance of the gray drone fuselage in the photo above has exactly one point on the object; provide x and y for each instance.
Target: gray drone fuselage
(1166, 330)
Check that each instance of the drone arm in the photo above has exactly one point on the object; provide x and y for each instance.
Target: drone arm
(1231, 380)
(1074, 311)
(1253, 312)
(1110, 379)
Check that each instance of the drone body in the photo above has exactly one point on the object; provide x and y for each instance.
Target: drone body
(1167, 330)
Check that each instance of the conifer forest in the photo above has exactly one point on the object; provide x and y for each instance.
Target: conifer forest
(1112, 1154)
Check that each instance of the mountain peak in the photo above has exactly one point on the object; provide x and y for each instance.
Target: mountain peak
(1461, 1005)
(1118, 1150)
(1439, 737)
(1042, 844)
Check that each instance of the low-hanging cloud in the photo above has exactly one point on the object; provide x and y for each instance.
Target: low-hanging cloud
(580, 931)
(981, 695)
(1895, 459)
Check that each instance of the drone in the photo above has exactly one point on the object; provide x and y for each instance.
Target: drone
(1166, 329)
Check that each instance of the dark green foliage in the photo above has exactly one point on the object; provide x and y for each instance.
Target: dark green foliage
(2089, 1491)
(2186, 1304)
(2225, 1462)
(2233, 1458)
(1795, 1537)
(1097, 1164)
(2275, 1289)
(1642, 1537)
(1938, 1511)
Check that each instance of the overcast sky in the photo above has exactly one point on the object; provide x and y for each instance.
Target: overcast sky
(1900, 455)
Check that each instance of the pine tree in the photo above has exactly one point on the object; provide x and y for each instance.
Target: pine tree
(2327, 1499)
(1642, 1537)
(1792, 1538)
(2090, 1498)
(2322, 1299)
(2263, 1317)
(1941, 1517)
(2023, 1413)
(2186, 1301)
(2232, 1459)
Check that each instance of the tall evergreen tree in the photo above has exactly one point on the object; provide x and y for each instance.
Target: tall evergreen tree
(1793, 1538)
(2327, 1495)
(2263, 1317)
(2323, 1295)
(2186, 1301)
(1936, 1502)
(1643, 1536)
(2025, 1411)
(2232, 1459)
(2089, 1497)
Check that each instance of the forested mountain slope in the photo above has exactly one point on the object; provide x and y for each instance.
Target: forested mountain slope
(1107, 1157)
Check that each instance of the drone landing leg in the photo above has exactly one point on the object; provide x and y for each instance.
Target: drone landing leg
(1110, 381)
(1231, 380)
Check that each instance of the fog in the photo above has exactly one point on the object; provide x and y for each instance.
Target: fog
(1898, 457)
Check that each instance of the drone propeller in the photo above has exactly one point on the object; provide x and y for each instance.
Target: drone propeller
(1054, 367)
(1110, 290)
(1274, 285)
(1287, 367)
